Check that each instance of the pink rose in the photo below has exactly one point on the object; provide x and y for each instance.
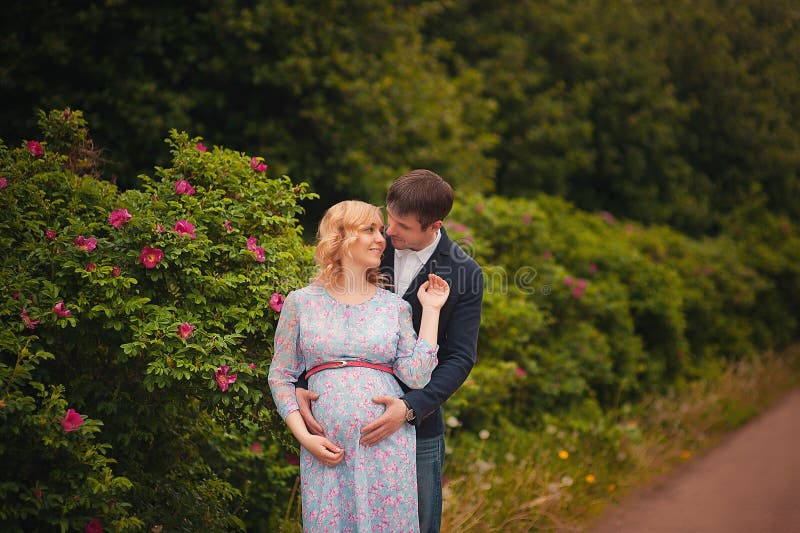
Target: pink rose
(115, 271)
(581, 284)
(201, 147)
(568, 281)
(258, 166)
(35, 148)
(50, 235)
(228, 226)
(260, 257)
(252, 242)
(29, 322)
(185, 330)
(61, 310)
(87, 245)
(223, 379)
(184, 187)
(256, 448)
(252, 366)
(94, 526)
(71, 421)
(159, 228)
(577, 292)
(520, 372)
(90, 267)
(186, 228)
(3, 183)
(150, 257)
(276, 302)
(119, 217)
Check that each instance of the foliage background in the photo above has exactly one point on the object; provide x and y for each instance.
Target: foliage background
(627, 175)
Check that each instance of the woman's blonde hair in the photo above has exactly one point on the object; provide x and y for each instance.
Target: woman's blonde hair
(337, 231)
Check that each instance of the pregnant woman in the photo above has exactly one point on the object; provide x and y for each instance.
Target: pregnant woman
(354, 340)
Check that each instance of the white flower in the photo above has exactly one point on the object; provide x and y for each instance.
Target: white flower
(510, 457)
(551, 429)
(452, 422)
(566, 481)
(483, 434)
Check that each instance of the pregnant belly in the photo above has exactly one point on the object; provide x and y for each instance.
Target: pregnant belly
(345, 400)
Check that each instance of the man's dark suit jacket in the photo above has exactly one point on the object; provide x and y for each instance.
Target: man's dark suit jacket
(459, 321)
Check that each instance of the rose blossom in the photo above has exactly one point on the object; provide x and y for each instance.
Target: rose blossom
(115, 271)
(228, 226)
(94, 526)
(71, 421)
(260, 257)
(150, 257)
(3, 183)
(201, 147)
(90, 267)
(184, 187)
(87, 245)
(258, 166)
(50, 235)
(61, 310)
(185, 330)
(276, 302)
(35, 148)
(252, 242)
(184, 227)
(119, 217)
(223, 379)
(29, 322)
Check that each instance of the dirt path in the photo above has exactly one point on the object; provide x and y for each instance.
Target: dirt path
(750, 483)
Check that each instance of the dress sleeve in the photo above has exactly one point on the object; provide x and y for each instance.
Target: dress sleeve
(287, 363)
(416, 358)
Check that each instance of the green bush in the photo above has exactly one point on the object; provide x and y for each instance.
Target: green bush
(149, 313)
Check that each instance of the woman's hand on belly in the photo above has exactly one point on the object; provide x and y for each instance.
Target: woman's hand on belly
(324, 450)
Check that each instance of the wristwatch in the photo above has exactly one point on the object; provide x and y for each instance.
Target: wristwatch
(409, 412)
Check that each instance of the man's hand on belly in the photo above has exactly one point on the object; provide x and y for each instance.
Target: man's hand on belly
(390, 421)
(304, 399)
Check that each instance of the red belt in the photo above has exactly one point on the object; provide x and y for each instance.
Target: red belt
(340, 364)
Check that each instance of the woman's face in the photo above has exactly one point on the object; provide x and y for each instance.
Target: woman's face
(366, 251)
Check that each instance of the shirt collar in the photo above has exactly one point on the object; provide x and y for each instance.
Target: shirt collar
(424, 254)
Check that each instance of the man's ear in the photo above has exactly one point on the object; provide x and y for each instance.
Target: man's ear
(436, 225)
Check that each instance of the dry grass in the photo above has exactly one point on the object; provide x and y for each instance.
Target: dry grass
(560, 479)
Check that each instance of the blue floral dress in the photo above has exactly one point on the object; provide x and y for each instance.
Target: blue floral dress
(374, 488)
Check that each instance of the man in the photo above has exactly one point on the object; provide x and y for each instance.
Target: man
(416, 205)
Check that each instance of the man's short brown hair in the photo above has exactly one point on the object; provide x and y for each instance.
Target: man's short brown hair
(421, 193)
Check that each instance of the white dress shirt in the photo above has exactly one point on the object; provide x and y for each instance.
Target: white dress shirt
(407, 264)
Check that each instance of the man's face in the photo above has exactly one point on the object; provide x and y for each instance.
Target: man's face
(407, 233)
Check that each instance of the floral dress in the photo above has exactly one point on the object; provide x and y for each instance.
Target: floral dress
(374, 488)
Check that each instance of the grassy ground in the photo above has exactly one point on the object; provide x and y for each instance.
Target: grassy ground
(561, 478)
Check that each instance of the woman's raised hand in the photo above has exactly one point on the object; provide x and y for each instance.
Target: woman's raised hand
(434, 292)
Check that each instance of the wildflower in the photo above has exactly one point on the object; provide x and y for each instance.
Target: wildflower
(35, 148)
(568, 281)
(90, 267)
(60, 309)
(567, 481)
(50, 235)
(94, 526)
(257, 165)
(159, 228)
(452, 422)
(87, 245)
(563, 454)
(184, 187)
(256, 448)
(589, 478)
(223, 379)
(185, 228)
(276, 302)
(185, 330)
(483, 434)
(118, 217)
(260, 254)
(150, 257)
(71, 421)
(3, 183)
(115, 271)
(29, 322)
(228, 226)
(252, 366)
(252, 242)
(201, 147)
(520, 372)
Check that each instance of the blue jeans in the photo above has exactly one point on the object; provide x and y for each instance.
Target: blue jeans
(430, 461)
